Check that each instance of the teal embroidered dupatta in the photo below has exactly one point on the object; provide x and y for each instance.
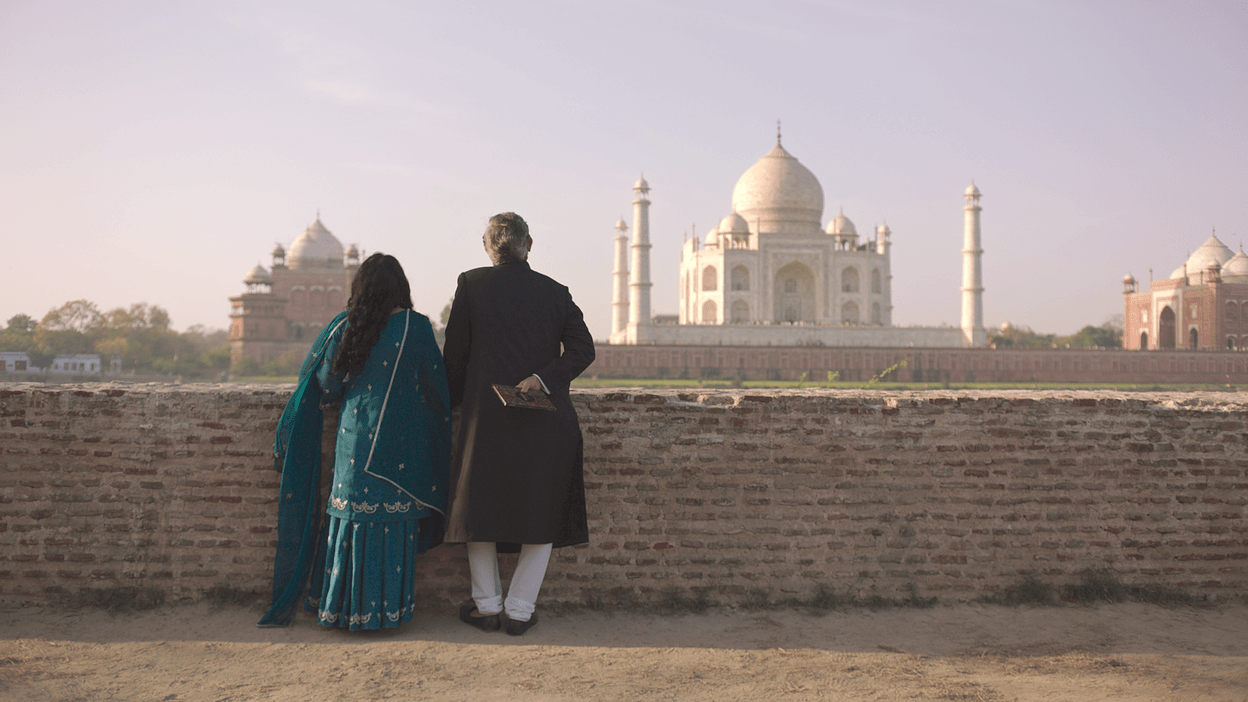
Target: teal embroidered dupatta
(297, 454)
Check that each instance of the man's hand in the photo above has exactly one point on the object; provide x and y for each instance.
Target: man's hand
(530, 384)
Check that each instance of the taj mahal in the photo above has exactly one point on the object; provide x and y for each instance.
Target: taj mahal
(771, 274)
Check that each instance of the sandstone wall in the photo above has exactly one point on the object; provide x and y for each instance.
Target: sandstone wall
(921, 366)
(948, 494)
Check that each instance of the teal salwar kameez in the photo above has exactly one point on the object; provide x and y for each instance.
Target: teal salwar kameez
(388, 497)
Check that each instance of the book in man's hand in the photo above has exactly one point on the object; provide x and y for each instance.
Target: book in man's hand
(515, 397)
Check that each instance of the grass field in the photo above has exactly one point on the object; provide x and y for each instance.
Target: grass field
(668, 383)
(727, 384)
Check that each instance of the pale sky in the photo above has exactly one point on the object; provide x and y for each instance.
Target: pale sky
(155, 150)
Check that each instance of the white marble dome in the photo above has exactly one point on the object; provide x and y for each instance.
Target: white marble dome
(734, 224)
(1236, 267)
(841, 226)
(258, 275)
(1211, 252)
(316, 247)
(780, 194)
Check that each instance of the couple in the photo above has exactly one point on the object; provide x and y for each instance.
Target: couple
(518, 484)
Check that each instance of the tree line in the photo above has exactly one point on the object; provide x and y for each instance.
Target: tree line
(1106, 336)
(138, 335)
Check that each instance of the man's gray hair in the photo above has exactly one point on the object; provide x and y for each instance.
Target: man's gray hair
(506, 238)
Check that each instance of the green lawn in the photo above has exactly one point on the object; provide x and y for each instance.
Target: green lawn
(675, 383)
(666, 383)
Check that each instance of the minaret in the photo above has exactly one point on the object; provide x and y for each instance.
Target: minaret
(619, 291)
(883, 246)
(973, 332)
(639, 284)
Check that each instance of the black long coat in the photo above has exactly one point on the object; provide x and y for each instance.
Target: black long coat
(517, 473)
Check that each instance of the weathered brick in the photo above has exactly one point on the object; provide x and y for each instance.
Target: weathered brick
(955, 493)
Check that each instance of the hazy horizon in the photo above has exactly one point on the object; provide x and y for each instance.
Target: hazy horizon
(155, 152)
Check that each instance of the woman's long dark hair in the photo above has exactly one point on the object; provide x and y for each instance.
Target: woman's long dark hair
(378, 288)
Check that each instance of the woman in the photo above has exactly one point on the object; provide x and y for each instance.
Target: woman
(387, 500)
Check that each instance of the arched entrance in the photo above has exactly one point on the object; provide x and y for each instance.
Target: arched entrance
(710, 278)
(1193, 339)
(1143, 341)
(1165, 329)
(794, 294)
(709, 312)
(849, 280)
(740, 278)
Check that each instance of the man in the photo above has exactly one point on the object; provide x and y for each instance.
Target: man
(520, 484)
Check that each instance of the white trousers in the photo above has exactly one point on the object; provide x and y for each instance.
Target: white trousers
(526, 582)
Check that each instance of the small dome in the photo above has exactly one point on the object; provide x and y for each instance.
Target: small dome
(712, 237)
(353, 251)
(258, 275)
(1128, 278)
(734, 224)
(316, 247)
(641, 185)
(1236, 267)
(972, 191)
(842, 226)
(620, 226)
(883, 231)
(278, 251)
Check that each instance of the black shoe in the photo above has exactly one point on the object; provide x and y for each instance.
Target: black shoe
(487, 623)
(516, 628)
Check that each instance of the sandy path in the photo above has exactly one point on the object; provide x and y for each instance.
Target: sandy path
(964, 652)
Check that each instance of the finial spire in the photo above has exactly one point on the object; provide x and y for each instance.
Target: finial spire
(777, 132)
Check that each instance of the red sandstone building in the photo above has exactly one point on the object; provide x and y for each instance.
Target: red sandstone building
(282, 310)
(1202, 305)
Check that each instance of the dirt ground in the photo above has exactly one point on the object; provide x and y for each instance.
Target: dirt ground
(957, 652)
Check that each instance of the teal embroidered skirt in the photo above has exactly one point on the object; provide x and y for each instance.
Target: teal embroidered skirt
(367, 580)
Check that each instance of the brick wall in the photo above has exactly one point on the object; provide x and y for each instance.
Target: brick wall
(955, 494)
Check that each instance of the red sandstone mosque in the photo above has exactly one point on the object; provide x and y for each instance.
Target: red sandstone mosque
(282, 310)
(1202, 305)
